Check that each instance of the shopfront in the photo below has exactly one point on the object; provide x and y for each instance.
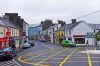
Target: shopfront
(79, 39)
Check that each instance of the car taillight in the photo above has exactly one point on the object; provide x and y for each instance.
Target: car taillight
(8, 52)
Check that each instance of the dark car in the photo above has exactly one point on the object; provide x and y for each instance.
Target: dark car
(8, 52)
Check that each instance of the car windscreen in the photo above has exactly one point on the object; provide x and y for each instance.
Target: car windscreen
(0, 50)
(7, 49)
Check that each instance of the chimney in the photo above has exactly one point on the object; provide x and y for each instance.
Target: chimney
(73, 21)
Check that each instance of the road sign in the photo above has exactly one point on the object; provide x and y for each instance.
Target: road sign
(90, 35)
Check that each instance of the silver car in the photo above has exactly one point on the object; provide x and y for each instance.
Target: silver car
(26, 45)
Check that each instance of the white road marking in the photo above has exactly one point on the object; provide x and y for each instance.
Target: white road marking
(16, 62)
(91, 51)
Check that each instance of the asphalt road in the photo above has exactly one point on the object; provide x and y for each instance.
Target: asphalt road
(44, 54)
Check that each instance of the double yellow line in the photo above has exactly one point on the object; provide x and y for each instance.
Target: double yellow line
(89, 58)
(53, 55)
(61, 64)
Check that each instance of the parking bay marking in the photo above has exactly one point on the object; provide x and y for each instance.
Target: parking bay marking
(67, 57)
(52, 56)
(19, 58)
(25, 61)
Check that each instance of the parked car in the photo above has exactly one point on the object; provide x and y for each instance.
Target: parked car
(31, 43)
(26, 45)
(8, 52)
(68, 43)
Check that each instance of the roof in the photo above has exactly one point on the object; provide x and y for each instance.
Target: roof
(35, 25)
(70, 26)
(1, 23)
(61, 29)
(95, 26)
(52, 26)
(6, 23)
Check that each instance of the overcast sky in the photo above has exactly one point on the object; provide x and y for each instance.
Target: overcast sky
(35, 11)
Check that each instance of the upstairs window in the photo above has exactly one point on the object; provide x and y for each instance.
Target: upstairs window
(69, 31)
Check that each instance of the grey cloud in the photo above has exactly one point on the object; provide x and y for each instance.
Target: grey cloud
(36, 10)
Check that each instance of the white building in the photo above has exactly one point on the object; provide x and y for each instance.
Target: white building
(81, 32)
(51, 31)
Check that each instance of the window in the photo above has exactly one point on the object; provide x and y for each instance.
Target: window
(66, 41)
(57, 27)
(69, 31)
(94, 31)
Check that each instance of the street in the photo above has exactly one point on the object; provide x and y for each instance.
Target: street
(45, 54)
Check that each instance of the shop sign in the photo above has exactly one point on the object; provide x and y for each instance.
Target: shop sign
(3, 39)
(90, 35)
(7, 33)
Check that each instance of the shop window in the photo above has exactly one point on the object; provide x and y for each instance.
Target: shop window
(70, 39)
(79, 40)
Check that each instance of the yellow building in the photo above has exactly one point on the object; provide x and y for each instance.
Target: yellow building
(59, 34)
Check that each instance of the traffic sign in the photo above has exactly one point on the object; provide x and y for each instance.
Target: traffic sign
(90, 35)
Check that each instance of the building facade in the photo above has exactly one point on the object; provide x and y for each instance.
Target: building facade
(51, 32)
(8, 28)
(34, 31)
(80, 33)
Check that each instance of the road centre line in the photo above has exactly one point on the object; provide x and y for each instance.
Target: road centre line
(53, 55)
(61, 64)
(89, 58)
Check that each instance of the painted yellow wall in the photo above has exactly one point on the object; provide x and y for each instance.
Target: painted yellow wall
(59, 33)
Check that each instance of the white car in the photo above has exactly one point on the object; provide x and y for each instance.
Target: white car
(26, 45)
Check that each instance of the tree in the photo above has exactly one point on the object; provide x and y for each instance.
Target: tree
(46, 23)
(97, 36)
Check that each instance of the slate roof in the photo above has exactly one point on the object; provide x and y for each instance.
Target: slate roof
(95, 26)
(52, 26)
(6, 23)
(61, 29)
(70, 26)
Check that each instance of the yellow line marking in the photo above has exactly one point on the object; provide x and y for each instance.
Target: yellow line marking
(37, 56)
(32, 52)
(61, 64)
(20, 59)
(89, 58)
(53, 55)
